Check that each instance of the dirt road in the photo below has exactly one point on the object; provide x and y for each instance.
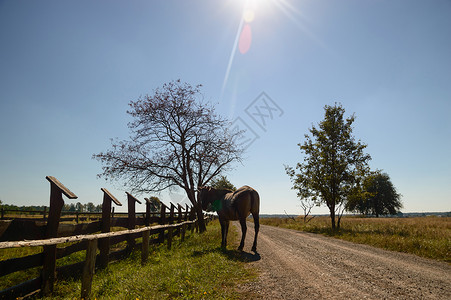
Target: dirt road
(299, 265)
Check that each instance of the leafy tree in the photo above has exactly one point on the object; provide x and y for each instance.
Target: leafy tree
(334, 163)
(377, 196)
(90, 207)
(177, 140)
(222, 183)
(72, 207)
(98, 208)
(155, 204)
(79, 207)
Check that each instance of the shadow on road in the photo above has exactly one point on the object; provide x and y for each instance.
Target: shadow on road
(242, 255)
(236, 255)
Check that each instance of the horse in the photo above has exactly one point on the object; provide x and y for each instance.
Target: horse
(232, 206)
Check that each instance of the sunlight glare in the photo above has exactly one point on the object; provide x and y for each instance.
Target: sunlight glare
(248, 15)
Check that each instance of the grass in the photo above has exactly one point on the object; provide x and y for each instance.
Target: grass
(18, 277)
(194, 269)
(428, 237)
(21, 276)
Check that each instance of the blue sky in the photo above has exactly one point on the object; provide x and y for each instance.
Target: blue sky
(68, 69)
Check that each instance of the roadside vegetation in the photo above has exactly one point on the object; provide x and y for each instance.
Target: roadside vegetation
(428, 237)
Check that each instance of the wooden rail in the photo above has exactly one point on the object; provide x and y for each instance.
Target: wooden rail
(19, 233)
(88, 237)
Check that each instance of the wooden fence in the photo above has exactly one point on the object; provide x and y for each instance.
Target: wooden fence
(84, 236)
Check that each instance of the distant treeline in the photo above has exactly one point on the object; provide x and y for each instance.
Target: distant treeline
(88, 207)
(399, 215)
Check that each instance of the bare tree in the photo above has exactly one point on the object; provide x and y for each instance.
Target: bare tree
(307, 204)
(177, 140)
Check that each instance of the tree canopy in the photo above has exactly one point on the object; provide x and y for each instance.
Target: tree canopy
(378, 196)
(222, 183)
(177, 140)
(334, 163)
(155, 204)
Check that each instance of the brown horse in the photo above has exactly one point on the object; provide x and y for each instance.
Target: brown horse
(233, 206)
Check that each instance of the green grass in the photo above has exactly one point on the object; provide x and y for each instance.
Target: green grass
(21, 276)
(423, 236)
(18, 277)
(194, 269)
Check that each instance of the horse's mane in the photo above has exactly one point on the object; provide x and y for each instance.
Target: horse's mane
(223, 190)
(209, 188)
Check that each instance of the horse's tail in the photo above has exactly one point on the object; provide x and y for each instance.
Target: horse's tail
(255, 202)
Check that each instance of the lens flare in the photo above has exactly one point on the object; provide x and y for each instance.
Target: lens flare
(245, 39)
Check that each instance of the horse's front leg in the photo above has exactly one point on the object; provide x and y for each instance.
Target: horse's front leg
(224, 229)
(226, 232)
(243, 233)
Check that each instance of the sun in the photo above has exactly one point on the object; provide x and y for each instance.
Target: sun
(256, 10)
(251, 8)
(243, 39)
(248, 15)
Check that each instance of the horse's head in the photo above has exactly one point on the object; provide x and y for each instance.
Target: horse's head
(202, 197)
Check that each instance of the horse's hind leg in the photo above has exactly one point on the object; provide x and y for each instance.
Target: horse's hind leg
(257, 227)
(243, 233)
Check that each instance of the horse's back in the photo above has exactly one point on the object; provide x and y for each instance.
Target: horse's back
(245, 199)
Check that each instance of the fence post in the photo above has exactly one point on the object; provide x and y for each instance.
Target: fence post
(147, 219)
(131, 220)
(187, 216)
(171, 221)
(182, 238)
(171, 215)
(186, 212)
(179, 218)
(57, 189)
(145, 247)
(170, 230)
(192, 218)
(162, 221)
(45, 213)
(3, 213)
(104, 244)
(88, 269)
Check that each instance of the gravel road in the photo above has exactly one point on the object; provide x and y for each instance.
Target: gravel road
(300, 265)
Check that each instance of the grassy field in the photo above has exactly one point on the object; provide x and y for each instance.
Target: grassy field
(199, 269)
(423, 236)
(195, 269)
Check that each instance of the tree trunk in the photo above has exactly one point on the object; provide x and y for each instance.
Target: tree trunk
(198, 209)
(200, 218)
(332, 216)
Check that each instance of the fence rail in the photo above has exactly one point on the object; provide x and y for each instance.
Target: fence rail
(88, 237)
(19, 233)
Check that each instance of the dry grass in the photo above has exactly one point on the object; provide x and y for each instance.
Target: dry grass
(423, 236)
